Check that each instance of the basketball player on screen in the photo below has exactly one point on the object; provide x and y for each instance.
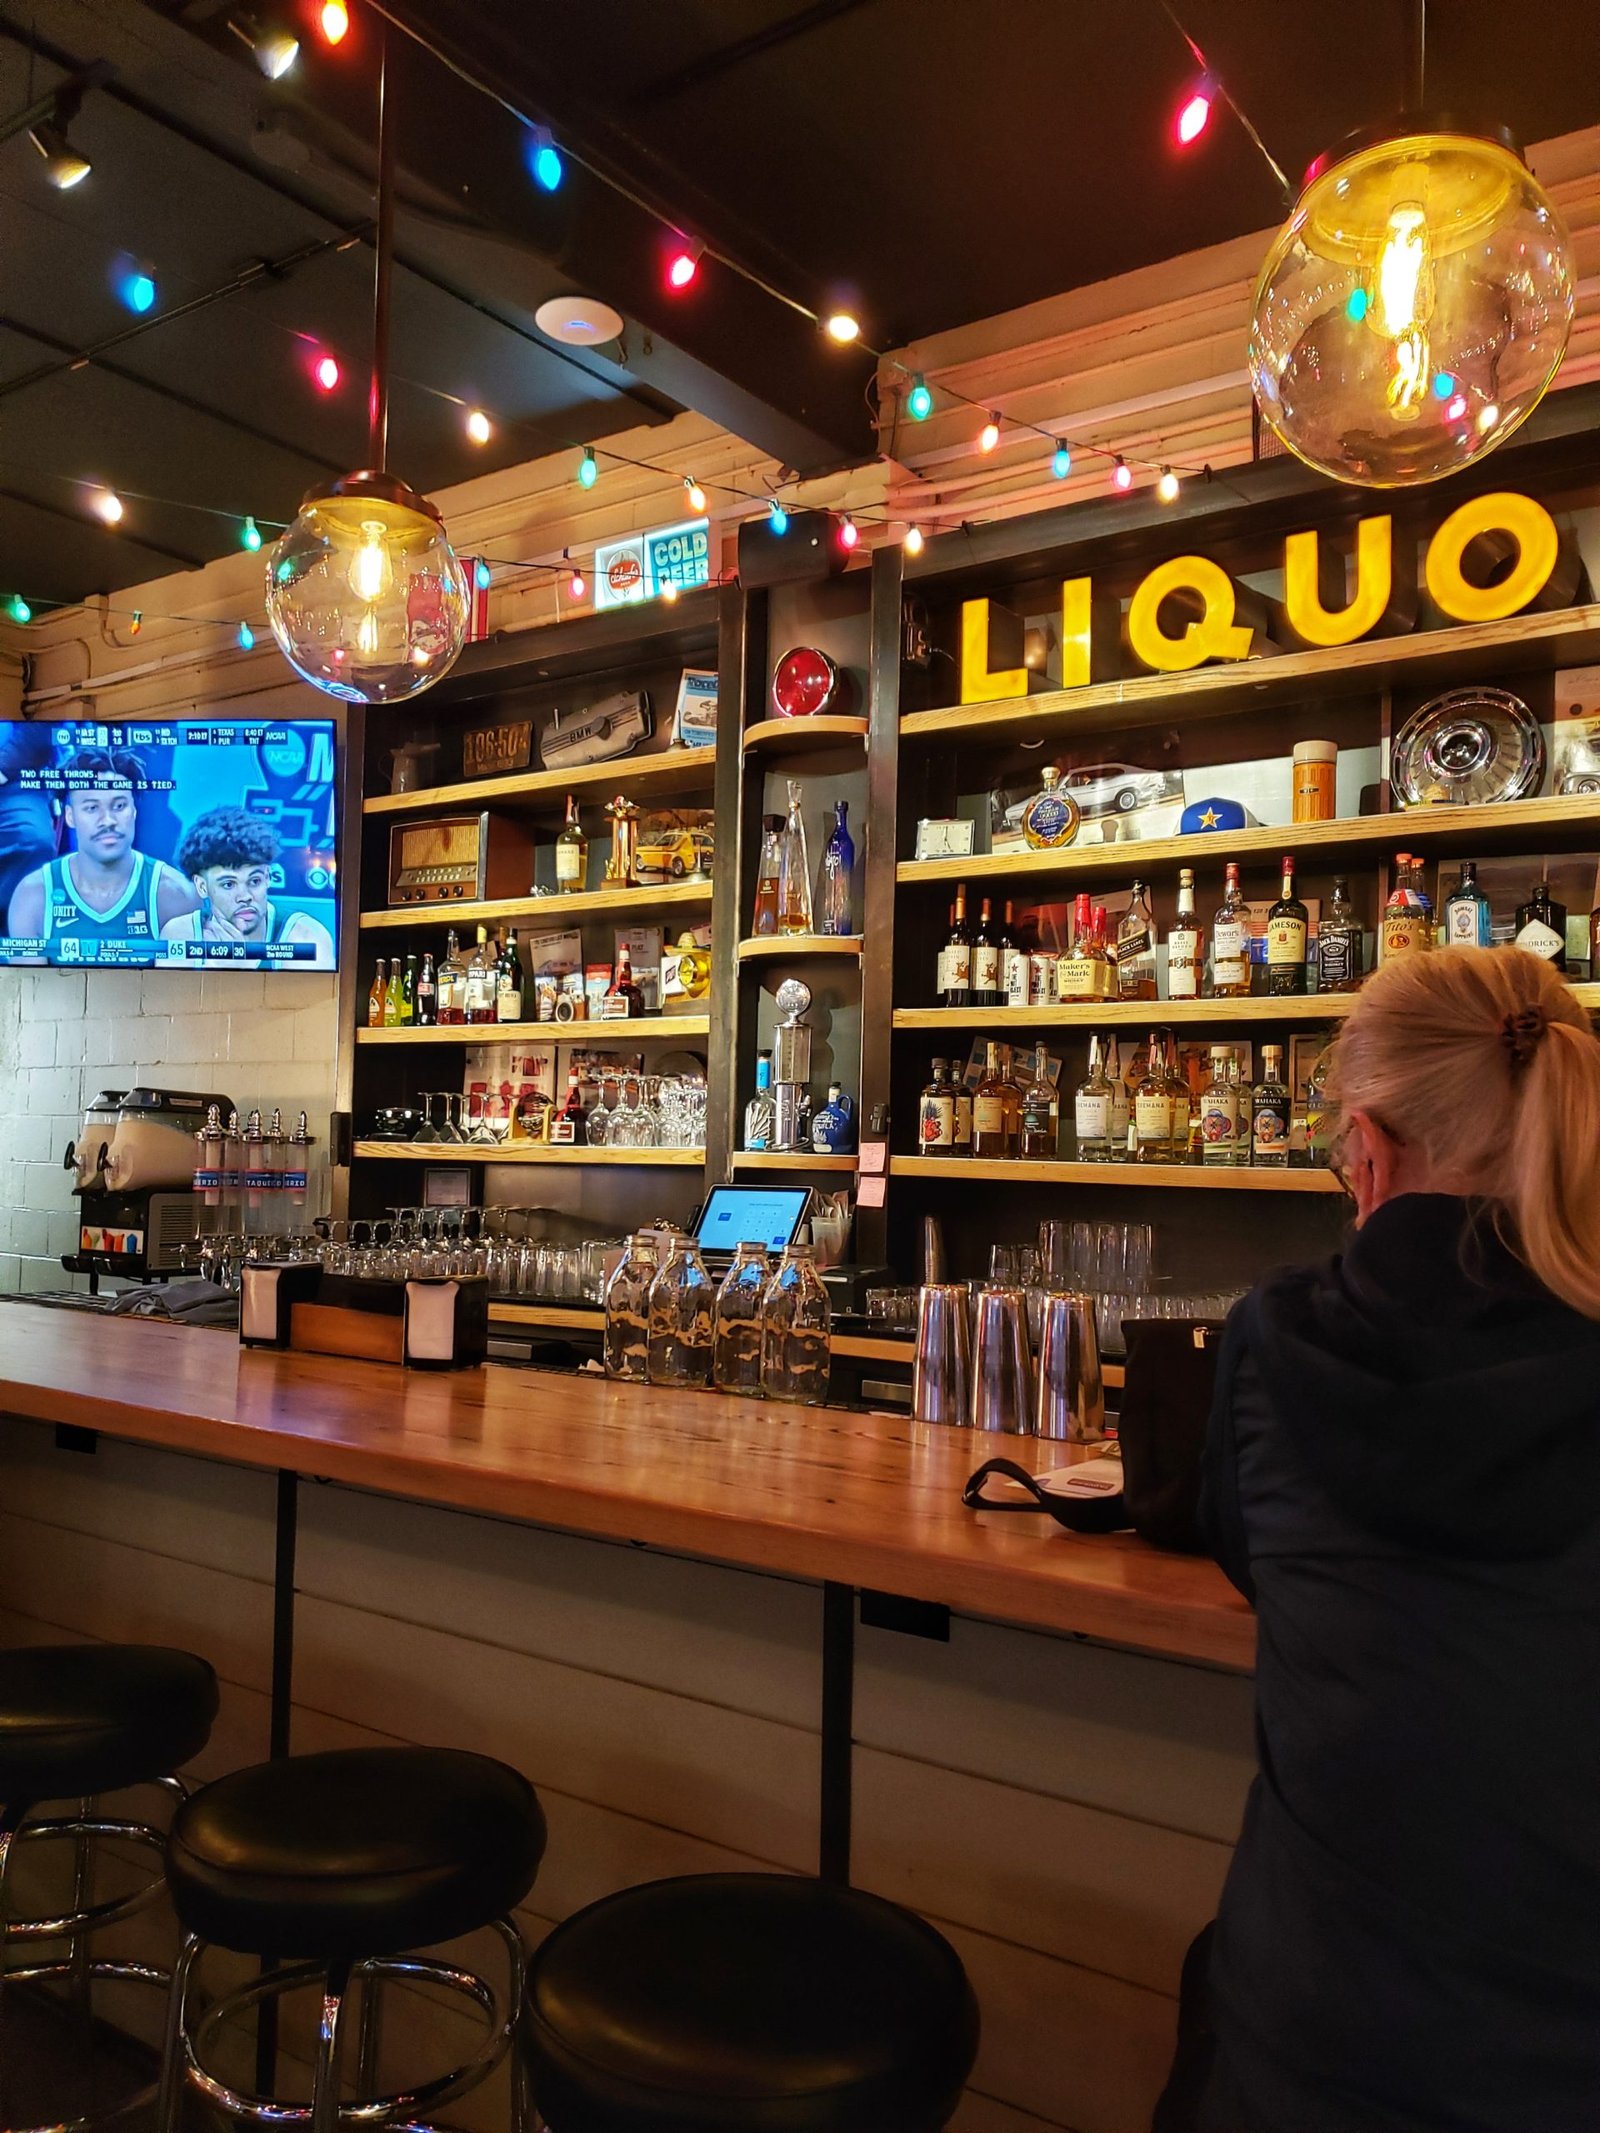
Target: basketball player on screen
(104, 901)
(228, 855)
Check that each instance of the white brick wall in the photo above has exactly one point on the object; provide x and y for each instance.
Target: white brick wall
(64, 1034)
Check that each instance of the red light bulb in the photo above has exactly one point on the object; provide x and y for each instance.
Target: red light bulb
(683, 263)
(849, 533)
(1193, 117)
(326, 372)
(577, 585)
(1122, 476)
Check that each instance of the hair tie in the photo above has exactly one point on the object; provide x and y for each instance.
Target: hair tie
(1521, 1032)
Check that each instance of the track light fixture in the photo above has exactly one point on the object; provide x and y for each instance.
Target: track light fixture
(273, 50)
(63, 165)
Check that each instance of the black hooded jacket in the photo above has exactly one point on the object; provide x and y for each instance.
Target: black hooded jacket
(1403, 1475)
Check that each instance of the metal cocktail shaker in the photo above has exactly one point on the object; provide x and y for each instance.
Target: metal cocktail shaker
(1069, 1405)
(1002, 1373)
(941, 1376)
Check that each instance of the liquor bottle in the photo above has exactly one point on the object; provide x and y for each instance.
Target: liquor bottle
(758, 1112)
(1014, 965)
(1051, 817)
(1121, 1106)
(1287, 924)
(572, 853)
(794, 871)
(568, 1128)
(986, 989)
(1092, 1109)
(451, 979)
(1136, 948)
(963, 1094)
(768, 867)
(955, 957)
(1466, 911)
(838, 869)
(624, 985)
(1341, 958)
(936, 1114)
(1102, 949)
(1185, 948)
(1542, 926)
(1152, 1107)
(480, 986)
(1269, 1113)
(392, 1004)
(1408, 914)
(1219, 1114)
(1075, 966)
(1038, 1119)
(509, 982)
(378, 996)
(408, 993)
(1318, 1116)
(1230, 944)
(427, 995)
(1181, 1129)
(995, 1105)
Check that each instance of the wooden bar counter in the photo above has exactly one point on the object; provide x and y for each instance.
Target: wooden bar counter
(852, 1499)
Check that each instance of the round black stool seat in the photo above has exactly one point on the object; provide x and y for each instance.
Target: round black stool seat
(755, 2003)
(79, 1719)
(360, 1853)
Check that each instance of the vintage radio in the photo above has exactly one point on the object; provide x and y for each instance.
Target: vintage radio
(459, 859)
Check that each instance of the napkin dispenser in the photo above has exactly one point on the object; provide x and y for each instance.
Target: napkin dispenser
(425, 1322)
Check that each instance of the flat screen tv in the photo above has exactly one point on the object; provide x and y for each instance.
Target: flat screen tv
(189, 844)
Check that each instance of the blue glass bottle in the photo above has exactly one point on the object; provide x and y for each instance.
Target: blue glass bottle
(838, 867)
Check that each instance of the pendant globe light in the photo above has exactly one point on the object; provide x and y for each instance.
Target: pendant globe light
(1415, 306)
(365, 594)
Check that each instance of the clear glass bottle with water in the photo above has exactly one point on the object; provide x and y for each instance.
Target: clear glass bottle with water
(627, 1302)
(681, 1301)
(795, 1346)
(737, 1324)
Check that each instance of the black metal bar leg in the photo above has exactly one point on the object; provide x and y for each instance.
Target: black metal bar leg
(838, 1727)
(282, 1706)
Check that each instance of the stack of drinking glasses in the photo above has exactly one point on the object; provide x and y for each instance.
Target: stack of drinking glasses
(763, 1332)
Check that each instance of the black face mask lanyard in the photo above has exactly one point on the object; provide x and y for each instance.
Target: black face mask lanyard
(1079, 1514)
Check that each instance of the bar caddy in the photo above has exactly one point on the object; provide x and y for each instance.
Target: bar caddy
(424, 1322)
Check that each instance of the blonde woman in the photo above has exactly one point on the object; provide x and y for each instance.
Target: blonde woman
(1404, 1477)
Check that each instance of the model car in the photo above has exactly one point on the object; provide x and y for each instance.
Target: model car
(670, 854)
(1118, 788)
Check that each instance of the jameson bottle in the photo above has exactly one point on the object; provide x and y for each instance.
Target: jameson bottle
(1340, 956)
(1286, 938)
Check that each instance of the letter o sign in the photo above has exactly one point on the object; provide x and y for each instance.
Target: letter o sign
(1527, 524)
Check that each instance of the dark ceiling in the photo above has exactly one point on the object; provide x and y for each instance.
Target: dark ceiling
(933, 161)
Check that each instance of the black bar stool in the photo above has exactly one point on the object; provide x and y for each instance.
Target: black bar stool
(748, 2003)
(78, 1720)
(336, 1867)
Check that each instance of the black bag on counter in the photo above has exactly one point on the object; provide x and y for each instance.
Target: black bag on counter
(1161, 1433)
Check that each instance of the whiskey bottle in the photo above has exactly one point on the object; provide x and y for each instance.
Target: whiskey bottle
(1219, 1114)
(1408, 914)
(480, 985)
(1269, 1113)
(1076, 979)
(995, 1108)
(378, 996)
(509, 982)
(1466, 911)
(1014, 964)
(1181, 1130)
(1230, 942)
(1542, 926)
(1341, 959)
(451, 979)
(1051, 817)
(1136, 947)
(986, 988)
(572, 853)
(1038, 1119)
(936, 1114)
(625, 986)
(1185, 950)
(427, 1003)
(1092, 1109)
(1287, 924)
(955, 957)
(1152, 1106)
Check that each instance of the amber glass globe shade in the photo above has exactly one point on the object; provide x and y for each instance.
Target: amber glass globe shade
(1412, 310)
(364, 592)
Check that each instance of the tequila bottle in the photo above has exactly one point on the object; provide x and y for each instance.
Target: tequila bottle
(1152, 1106)
(1182, 1102)
(838, 867)
(1219, 1114)
(768, 869)
(1270, 1113)
(794, 871)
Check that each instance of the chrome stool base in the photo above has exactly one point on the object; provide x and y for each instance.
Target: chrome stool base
(410, 2110)
(78, 1967)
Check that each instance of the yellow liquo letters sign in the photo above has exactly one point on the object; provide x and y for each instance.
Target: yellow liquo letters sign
(1217, 618)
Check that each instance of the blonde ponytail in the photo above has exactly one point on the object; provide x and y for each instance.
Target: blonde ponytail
(1482, 1061)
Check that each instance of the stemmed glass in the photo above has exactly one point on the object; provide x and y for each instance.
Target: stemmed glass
(427, 1131)
(498, 1119)
(602, 1114)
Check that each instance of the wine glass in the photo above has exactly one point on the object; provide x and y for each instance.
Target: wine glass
(601, 1116)
(498, 1119)
(427, 1131)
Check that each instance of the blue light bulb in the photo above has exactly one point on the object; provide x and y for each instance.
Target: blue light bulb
(544, 159)
(250, 535)
(1355, 306)
(778, 519)
(588, 470)
(480, 573)
(1443, 385)
(919, 401)
(1061, 462)
(18, 609)
(247, 637)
